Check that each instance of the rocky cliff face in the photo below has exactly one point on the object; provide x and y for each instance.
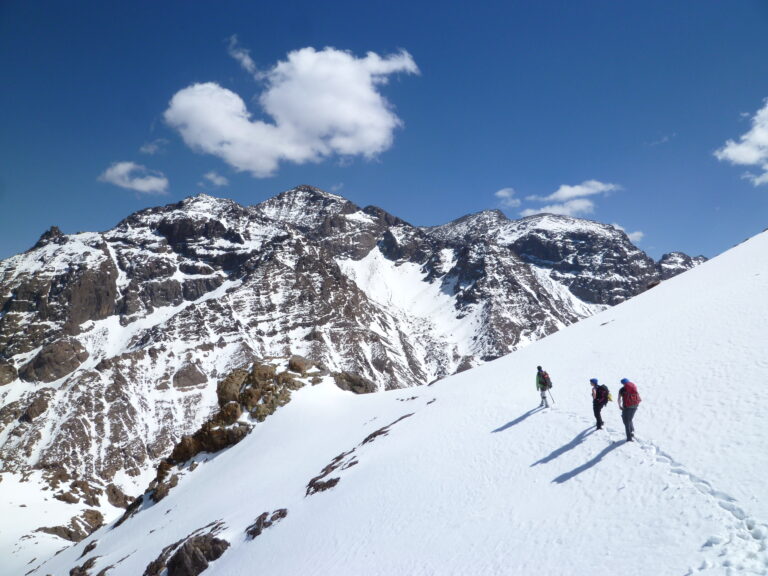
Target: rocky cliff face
(112, 344)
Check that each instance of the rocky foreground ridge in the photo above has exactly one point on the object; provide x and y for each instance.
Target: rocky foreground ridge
(112, 344)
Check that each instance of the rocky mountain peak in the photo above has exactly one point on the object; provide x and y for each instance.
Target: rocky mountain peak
(53, 234)
(673, 263)
(384, 216)
(554, 224)
(305, 207)
(199, 208)
(485, 223)
(205, 203)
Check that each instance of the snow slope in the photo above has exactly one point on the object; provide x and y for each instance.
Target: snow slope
(468, 476)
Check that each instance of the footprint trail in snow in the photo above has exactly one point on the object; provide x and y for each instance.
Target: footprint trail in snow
(742, 547)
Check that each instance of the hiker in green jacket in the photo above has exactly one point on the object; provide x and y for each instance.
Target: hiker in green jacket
(543, 383)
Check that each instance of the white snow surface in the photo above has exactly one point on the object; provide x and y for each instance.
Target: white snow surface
(403, 287)
(27, 503)
(478, 480)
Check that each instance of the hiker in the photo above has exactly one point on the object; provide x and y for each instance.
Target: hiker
(543, 383)
(600, 397)
(629, 400)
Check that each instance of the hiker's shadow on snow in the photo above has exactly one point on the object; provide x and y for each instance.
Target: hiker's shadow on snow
(580, 437)
(518, 420)
(587, 465)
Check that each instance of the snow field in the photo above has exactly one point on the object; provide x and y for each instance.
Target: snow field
(21, 549)
(480, 481)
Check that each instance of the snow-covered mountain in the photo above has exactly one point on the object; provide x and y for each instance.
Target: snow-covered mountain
(113, 345)
(468, 476)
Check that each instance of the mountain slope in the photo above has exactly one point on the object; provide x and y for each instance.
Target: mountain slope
(467, 476)
(112, 344)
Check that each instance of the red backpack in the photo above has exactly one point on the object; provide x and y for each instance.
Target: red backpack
(631, 395)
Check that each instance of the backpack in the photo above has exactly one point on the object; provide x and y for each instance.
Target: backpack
(547, 381)
(631, 395)
(603, 395)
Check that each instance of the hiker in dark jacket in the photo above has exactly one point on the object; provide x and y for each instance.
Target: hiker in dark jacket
(599, 400)
(629, 400)
(543, 383)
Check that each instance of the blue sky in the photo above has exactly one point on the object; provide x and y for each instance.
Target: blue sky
(650, 115)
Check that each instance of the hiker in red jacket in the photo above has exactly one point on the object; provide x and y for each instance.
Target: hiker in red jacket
(629, 400)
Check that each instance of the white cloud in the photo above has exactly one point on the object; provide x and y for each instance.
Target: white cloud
(758, 179)
(243, 56)
(633, 236)
(135, 177)
(506, 198)
(571, 200)
(586, 188)
(751, 149)
(154, 147)
(575, 207)
(215, 179)
(663, 140)
(321, 104)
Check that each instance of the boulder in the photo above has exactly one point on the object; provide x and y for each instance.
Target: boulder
(8, 373)
(195, 554)
(262, 373)
(207, 439)
(299, 364)
(117, 497)
(353, 383)
(189, 375)
(55, 361)
(38, 406)
(228, 415)
(228, 390)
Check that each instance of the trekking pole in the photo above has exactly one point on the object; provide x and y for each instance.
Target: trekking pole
(550, 395)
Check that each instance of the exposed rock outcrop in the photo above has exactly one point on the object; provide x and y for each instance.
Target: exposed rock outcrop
(8, 373)
(189, 375)
(37, 407)
(354, 383)
(55, 361)
(79, 527)
(195, 555)
(264, 521)
(189, 556)
(117, 497)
